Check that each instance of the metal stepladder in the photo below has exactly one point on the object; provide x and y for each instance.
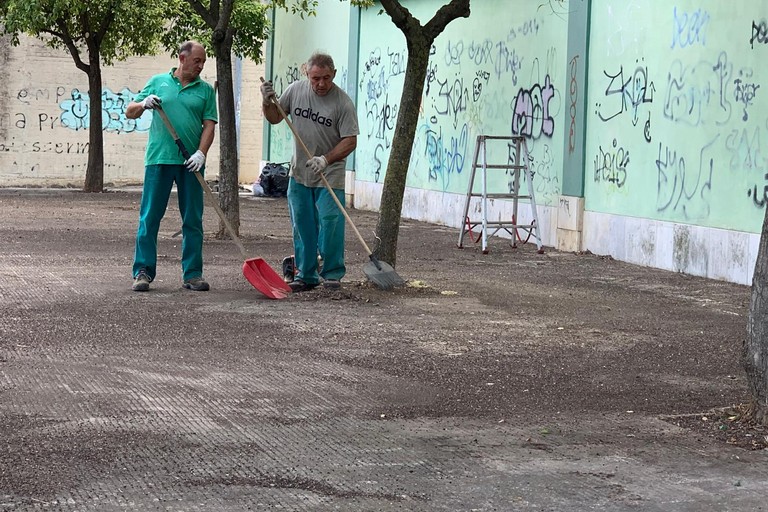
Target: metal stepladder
(521, 163)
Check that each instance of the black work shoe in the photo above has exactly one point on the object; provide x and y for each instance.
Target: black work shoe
(331, 284)
(300, 286)
(197, 284)
(141, 282)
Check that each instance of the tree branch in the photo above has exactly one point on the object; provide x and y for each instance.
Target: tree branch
(401, 17)
(445, 15)
(104, 28)
(66, 38)
(225, 15)
(207, 16)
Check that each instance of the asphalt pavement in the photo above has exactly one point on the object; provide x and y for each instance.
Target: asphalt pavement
(508, 381)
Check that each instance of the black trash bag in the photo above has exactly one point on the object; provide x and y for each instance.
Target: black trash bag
(274, 180)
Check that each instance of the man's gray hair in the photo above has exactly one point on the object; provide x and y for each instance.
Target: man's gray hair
(321, 60)
(187, 46)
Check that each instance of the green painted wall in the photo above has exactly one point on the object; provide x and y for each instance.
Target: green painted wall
(295, 40)
(676, 119)
(499, 72)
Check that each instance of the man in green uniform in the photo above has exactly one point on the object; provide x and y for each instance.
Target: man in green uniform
(190, 104)
(326, 119)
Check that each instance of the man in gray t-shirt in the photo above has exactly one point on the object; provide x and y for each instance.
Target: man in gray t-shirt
(325, 118)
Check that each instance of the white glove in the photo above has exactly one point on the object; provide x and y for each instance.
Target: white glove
(267, 92)
(317, 164)
(151, 102)
(195, 162)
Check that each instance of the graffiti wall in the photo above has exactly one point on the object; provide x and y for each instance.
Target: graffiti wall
(676, 121)
(296, 39)
(44, 120)
(485, 77)
(45, 116)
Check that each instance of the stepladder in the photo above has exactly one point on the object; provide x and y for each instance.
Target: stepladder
(516, 164)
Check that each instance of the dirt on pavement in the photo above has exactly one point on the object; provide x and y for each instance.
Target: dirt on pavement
(503, 381)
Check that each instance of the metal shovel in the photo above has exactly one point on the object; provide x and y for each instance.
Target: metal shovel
(256, 270)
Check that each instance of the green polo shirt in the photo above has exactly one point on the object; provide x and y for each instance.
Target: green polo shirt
(187, 107)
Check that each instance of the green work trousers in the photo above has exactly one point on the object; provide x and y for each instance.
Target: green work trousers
(158, 182)
(318, 227)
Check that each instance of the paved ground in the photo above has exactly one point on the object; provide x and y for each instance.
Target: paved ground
(506, 381)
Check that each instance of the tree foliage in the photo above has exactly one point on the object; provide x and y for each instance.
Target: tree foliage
(118, 29)
(208, 22)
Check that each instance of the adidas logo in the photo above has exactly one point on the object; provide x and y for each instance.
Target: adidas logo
(307, 113)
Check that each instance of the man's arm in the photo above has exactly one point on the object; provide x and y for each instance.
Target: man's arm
(271, 113)
(345, 146)
(134, 110)
(206, 139)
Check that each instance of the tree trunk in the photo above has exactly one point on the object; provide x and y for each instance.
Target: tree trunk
(388, 226)
(419, 40)
(755, 351)
(229, 188)
(94, 174)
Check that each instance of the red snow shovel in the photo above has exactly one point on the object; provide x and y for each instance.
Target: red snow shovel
(256, 270)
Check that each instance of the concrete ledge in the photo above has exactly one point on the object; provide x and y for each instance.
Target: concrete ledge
(570, 213)
(568, 240)
(707, 252)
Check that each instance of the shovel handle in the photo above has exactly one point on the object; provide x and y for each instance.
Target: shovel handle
(203, 183)
(322, 176)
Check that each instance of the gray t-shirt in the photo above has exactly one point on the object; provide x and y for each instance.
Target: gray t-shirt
(321, 121)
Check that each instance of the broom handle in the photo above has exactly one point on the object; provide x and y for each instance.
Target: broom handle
(322, 176)
(203, 183)
(223, 217)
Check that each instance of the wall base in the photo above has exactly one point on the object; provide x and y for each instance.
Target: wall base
(700, 251)
(570, 223)
(707, 252)
(446, 209)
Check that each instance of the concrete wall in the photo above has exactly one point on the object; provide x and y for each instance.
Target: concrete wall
(44, 117)
(675, 175)
(643, 119)
(486, 77)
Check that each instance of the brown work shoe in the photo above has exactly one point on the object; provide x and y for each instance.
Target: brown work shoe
(197, 284)
(141, 282)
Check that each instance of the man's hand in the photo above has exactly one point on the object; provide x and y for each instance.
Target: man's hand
(151, 102)
(267, 93)
(195, 162)
(317, 164)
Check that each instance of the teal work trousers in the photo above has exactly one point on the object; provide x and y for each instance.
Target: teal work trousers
(158, 182)
(318, 227)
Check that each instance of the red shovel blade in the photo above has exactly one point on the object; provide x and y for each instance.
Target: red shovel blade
(263, 278)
